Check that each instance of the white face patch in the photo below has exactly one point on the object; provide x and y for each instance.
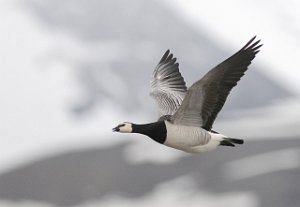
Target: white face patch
(125, 127)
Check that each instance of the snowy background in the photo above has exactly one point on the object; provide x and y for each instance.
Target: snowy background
(72, 70)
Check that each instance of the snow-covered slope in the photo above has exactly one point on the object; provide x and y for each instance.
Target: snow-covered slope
(62, 80)
(229, 23)
(71, 70)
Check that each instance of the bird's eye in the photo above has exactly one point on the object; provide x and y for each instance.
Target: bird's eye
(121, 125)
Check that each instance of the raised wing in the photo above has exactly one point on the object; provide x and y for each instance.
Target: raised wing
(206, 97)
(167, 85)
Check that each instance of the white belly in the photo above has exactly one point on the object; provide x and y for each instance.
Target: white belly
(189, 139)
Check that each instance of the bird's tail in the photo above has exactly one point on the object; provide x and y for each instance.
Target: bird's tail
(231, 141)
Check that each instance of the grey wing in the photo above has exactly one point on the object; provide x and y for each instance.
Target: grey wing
(206, 97)
(167, 85)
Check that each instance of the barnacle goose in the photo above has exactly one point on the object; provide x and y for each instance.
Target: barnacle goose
(187, 115)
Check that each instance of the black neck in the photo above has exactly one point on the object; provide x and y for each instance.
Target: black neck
(156, 131)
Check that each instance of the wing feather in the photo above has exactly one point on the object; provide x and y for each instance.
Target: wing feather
(167, 85)
(206, 97)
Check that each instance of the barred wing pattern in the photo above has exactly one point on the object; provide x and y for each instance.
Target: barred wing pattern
(167, 85)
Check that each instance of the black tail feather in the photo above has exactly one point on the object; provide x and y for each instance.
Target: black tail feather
(235, 141)
(231, 141)
(226, 143)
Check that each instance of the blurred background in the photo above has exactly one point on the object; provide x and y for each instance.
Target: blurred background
(71, 70)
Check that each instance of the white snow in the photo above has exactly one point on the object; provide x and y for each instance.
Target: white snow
(36, 82)
(36, 87)
(232, 23)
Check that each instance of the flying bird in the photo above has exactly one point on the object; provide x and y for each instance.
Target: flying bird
(187, 115)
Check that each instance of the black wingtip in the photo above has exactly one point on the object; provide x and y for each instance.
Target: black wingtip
(166, 57)
(252, 45)
(249, 42)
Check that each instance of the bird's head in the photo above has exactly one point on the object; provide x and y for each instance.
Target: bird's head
(125, 127)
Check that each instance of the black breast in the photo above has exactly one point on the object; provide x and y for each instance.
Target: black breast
(156, 131)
